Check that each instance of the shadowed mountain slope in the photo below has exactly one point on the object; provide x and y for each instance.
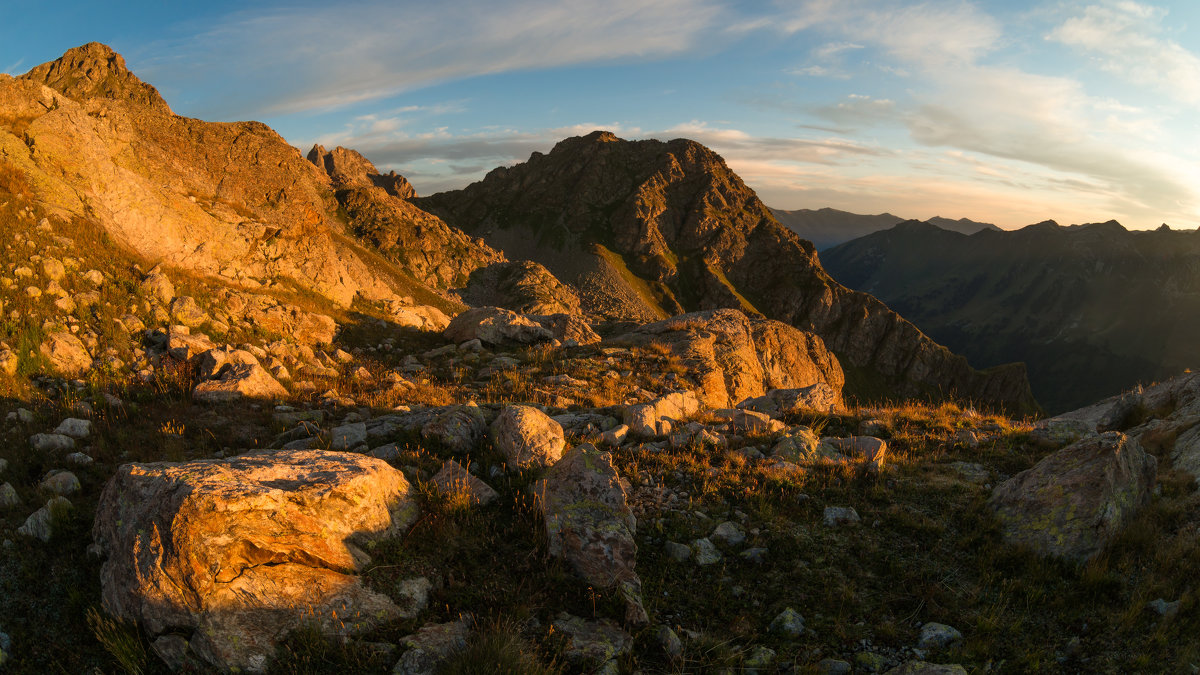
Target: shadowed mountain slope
(1091, 309)
(648, 229)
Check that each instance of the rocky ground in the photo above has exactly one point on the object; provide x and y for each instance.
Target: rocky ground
(527, 493)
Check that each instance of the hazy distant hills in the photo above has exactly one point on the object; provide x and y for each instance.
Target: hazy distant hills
(830, 227)
(1091, 309)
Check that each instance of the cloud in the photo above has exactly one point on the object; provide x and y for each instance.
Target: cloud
(925, 33)
(1126, 38)
(285, 60)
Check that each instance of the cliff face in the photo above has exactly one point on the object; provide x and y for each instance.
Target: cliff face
(233, 201)
(670, 228)
(380, 213)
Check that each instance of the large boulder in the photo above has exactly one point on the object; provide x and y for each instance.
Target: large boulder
(527, 436)
(589, 524)
(66, 354)
(498, 326)
(235, 553)
(1074, 501)
(460, 428)
(735, 357)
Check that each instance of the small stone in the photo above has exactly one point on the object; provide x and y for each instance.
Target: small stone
(938, 636)
(78, 459)
(705, 552)
(836, 516)
(788, 622)
(40, 524)
(51, 442)
(615, 436)
(671, 645)
(74, 427)
(61, 483)
(1162, 607)
(756, 555)
(412, 596)
(8, 497)
(760, 658)
(833, 667)
(870, 661)
(172, 649)
(678, 552)
(348, 436)
(430, 646)
(730, 533)
(454, 478)
(923, 668)
(3, 465)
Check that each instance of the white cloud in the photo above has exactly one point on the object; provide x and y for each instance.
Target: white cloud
(1127, 39)
(308, 58)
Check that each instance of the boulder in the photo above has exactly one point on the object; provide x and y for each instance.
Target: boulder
(40, 524)
(656, 417)
(237, 381)
(498, 326)
(185, 310)
(66, 354)
(1074, 501)
(158, 287)
(241, 551)
(819, 397)
(926, 668)
(9, 361)
(74, 427)
(460, 428)
(183, 346)
(735, 357)
(589, 524)
(430, 646)
(527, 436)
(209, 363)
(749, 421)
(421, 317)
(51, 442)
(868, 448)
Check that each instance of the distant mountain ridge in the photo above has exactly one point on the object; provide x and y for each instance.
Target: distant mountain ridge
(1092, 309)
(647, 229)
(828, 227)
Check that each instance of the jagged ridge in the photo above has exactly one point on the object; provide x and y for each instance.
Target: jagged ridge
(690, 235)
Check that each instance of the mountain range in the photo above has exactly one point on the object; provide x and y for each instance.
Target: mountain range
(1092, 309)
(829, 227)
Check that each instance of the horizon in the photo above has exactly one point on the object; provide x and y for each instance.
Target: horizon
(1008, 114)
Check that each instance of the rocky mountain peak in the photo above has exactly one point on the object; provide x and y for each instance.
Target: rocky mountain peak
(350, 169)
(94, 70)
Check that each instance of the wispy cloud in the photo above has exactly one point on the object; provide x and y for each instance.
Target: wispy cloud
(311, 58)
(1127, 38)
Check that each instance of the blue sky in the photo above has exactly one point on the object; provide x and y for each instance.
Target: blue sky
(1005, 112)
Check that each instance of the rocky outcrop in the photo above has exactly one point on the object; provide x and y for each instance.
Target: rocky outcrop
(735, 357)
(670, 228)
(380, 213)
(1073, 502)
(232, 201)
(237, 552)
(1163, 417)
(349, 169)
(525, 286)
(590, 525)
(496, 326)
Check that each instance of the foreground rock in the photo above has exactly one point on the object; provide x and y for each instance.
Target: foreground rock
(1163, 417)
(735, 357)
(1073, 502)
(240, 551)
(590, 525)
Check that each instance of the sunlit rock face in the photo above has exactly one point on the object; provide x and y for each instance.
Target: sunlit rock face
(234, 553)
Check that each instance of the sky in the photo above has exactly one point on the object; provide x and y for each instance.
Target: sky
(1009, 112)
